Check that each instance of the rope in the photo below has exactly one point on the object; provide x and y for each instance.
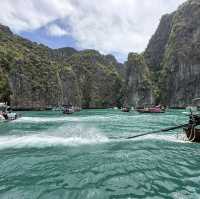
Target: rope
(158, 131)
(152, 132)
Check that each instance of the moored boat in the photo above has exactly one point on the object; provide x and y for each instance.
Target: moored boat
(68, 109)
(6, 114)
(125, 109)
(156, 109)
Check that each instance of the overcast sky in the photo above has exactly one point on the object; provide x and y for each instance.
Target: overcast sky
(110, 26)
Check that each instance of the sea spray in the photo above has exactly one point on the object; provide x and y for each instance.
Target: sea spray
(63, 136)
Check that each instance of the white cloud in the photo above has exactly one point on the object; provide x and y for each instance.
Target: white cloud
(28, 15)
(55, 30)
(107, 25)
(117, 25)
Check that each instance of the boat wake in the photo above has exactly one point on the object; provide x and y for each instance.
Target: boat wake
(71, 134)
(45, 119)
(162, 137)
(63, 136)
(93, 118)
(169, 138)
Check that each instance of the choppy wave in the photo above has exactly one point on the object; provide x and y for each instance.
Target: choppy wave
(153, 166)
(63, 136)
(159, 137)
(92, 118)
(169, 138)
(74, 136)
(65, 119)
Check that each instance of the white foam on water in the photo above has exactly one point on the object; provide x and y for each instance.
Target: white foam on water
(93, 118)
(168, 138)
(63, 136)
(45, 119)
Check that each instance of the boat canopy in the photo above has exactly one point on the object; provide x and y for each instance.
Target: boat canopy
(196, 99)
(196, 102)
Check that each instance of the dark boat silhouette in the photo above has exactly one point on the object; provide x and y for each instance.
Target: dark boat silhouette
(193, 134)
(192, 131)
(68, 109)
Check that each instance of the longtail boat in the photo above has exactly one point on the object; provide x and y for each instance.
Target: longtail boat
(192, 131)
(193, 134)
(156, 109)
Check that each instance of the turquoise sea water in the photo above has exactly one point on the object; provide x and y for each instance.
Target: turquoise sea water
(46, 155)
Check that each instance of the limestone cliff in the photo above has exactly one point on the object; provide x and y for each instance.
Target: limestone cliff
(33, 76)
(173, 56)
(181, 64)
(155, 50)
(139, 87)
(168, 72)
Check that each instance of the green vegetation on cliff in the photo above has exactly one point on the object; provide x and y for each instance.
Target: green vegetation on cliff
(35, 76)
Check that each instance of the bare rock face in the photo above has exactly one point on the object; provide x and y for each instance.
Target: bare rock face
(173, 56)
(155, 50)
(138, 84)
(180, 80)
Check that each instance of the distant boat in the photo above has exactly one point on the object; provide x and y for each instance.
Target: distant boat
(193, 108)
(6, 114)
(125, 109)
(68, 109)
(156, 109)
(77, 109)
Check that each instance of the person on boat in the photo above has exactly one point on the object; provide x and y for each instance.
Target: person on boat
(5, 115)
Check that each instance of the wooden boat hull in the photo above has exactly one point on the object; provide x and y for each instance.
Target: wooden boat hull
(193, 134)
(148, 111)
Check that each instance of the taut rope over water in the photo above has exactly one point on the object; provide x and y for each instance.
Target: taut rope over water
(153, 132)
(158, 131)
